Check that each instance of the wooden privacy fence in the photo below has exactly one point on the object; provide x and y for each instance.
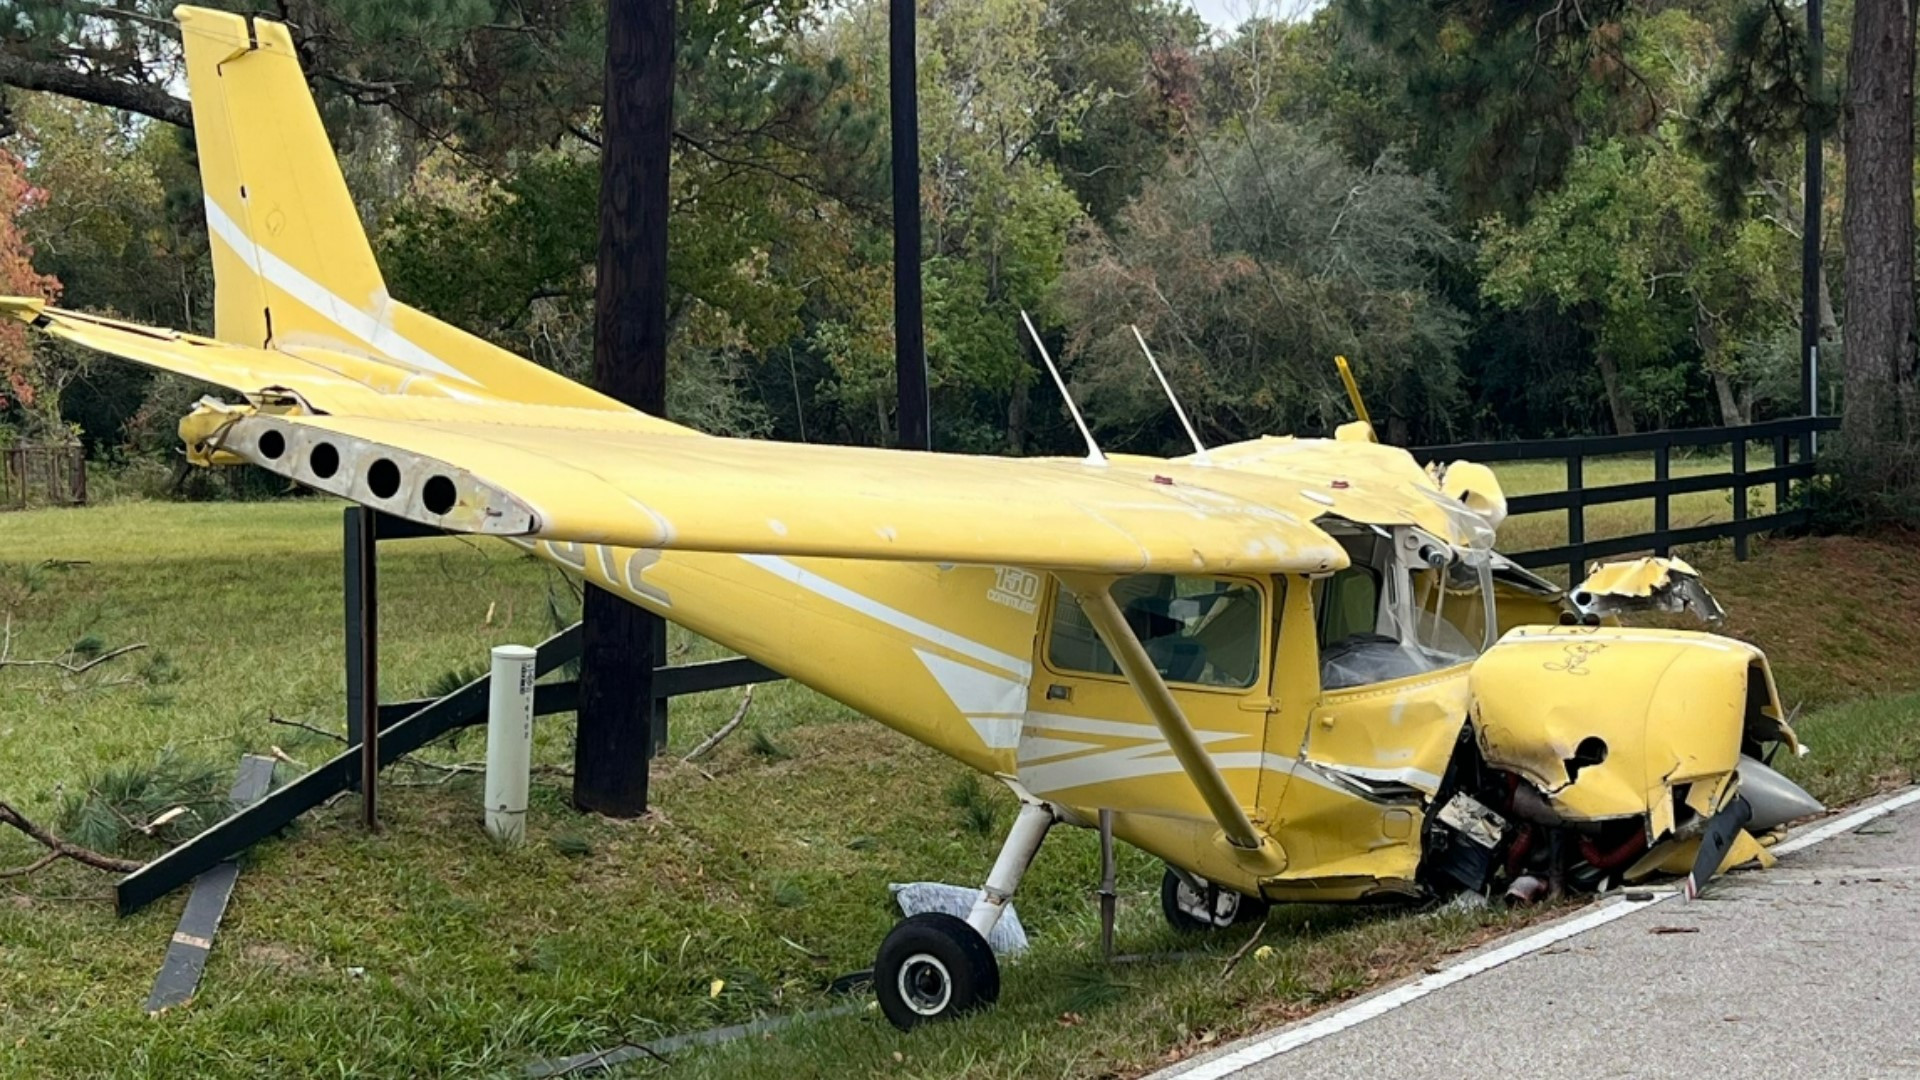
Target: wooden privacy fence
(52, 474)
(1780, 436)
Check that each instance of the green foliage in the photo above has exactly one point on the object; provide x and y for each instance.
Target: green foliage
(1630, 167)
(454, 678)
(1248, 270)
(114, 810)
(1633, 247)
(763, 745)
(1759, 101)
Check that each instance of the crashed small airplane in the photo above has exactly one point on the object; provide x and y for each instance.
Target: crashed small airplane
(1293, 669)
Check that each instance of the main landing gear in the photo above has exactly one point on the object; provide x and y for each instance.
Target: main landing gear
(1193, 905)
(934, 966)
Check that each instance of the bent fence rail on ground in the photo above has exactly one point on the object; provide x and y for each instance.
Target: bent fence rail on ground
(52, 474)
(1781, 435)
(399, 727)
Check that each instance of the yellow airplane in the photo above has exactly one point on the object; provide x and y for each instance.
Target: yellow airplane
(1293, 669)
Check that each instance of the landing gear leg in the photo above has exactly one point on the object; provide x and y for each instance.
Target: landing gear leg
(933, 966)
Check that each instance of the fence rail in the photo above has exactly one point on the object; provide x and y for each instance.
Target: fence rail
(1781, 435)
(53, 474)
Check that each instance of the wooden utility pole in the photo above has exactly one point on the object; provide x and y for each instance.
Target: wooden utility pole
(620, 641)
(910, 343)
(1810, 223)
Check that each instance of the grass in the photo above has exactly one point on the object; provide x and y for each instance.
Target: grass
(428, 950)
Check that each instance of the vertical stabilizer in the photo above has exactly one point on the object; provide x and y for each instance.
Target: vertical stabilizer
(292, 265)
(289, 255)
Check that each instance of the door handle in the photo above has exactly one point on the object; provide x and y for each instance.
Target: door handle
(1059, 692)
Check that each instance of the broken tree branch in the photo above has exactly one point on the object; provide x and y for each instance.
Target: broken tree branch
(1234, 960)
(323, 732)
(71, 668)
(58, 849)
(726, 729)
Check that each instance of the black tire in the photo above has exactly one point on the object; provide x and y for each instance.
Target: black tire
(931, 967)
(1245, 910)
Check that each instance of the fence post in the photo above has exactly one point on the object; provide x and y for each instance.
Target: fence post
(1662, 508)
(13, 477)
(1576, 521)
(363, 654)
(1780, 492)
(1740, 496)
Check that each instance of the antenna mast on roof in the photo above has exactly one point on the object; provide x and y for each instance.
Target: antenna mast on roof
(1094, 454)
(1199, 448)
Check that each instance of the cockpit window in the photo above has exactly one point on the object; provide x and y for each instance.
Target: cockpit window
(1408, 604)
(1197, 630)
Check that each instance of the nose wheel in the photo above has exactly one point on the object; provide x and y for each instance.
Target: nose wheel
(933, 966)
(1194, 905)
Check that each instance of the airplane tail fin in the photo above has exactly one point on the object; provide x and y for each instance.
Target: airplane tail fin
(292, 265)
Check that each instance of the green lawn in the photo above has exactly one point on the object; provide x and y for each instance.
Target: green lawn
(753, 884)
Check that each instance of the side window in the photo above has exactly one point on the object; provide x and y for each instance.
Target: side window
(1348, 604)
(1197, 630)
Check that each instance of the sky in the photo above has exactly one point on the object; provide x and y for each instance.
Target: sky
(1224, 15)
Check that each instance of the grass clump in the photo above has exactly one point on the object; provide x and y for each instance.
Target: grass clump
(978, 814)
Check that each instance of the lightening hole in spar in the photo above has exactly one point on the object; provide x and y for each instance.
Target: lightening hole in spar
(383, 479)
(272, 445)
(324, 460)
(439, 495)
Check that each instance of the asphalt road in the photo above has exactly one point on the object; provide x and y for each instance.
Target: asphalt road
(1807, 971)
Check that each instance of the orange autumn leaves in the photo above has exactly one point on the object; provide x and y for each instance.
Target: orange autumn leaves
(18, 278)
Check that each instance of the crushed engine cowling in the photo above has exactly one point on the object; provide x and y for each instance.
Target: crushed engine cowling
(1601, 755)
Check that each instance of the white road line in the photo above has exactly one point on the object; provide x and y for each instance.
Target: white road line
(1388, 1000)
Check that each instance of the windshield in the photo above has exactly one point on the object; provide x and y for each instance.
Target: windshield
(1410, 603)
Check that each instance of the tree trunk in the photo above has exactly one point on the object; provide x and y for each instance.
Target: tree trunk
(620, 641)
(1730, 411)
(1877, 416)
(1017, 407)
(1706, 334)
(1616, 395)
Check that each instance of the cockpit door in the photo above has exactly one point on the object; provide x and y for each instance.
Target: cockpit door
(1089, 741)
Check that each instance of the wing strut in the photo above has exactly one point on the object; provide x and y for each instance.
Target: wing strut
(1097, 601)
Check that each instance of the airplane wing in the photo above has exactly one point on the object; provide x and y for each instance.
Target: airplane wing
(481, 469)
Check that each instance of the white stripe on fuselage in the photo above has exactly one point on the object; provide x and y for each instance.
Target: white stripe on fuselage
(894, 617)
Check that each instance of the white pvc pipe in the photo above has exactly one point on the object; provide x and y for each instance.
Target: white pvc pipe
(509, 742)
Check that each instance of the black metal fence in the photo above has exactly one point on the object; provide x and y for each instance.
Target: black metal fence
(1791, 443)
(42, 474)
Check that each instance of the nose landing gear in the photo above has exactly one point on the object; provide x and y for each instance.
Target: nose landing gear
(933, 966)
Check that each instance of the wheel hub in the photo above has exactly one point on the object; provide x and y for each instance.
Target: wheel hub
(925, 984)
(1211, 905)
